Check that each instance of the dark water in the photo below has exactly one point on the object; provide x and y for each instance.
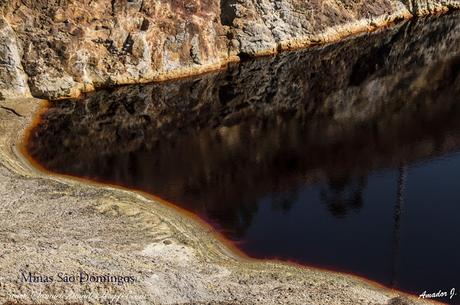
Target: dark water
(345, 156)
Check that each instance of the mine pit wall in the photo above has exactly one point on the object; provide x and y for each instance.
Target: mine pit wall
(55, 49)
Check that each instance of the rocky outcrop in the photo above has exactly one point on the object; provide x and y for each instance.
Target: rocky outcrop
(263, 27)
(67, 47)
(13, 80)
(74, 46)
(427, 7)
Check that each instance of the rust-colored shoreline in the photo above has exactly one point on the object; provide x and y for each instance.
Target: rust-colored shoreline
(330, 35)
(22, 148)
(229, 246)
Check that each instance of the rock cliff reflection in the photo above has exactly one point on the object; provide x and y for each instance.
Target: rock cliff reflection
(343, 156)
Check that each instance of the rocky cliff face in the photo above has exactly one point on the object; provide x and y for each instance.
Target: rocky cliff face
(60, 48)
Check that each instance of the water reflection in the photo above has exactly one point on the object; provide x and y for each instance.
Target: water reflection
(305, 156)
(343, 194)
(397, 223)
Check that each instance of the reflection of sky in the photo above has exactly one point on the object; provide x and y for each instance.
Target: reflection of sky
(429, 234)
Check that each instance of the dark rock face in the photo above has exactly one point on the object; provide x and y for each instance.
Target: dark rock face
(67, 47)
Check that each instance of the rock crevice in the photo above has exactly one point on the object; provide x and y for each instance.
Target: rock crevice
(13, 80)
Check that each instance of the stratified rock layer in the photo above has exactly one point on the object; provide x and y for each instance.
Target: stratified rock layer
(67, 47)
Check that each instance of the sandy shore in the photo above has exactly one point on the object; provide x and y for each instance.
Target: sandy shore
(51, 225)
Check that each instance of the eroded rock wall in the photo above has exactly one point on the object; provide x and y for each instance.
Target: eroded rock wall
(73, 46)
(13, 80)
(61, 48)
(267, 25)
